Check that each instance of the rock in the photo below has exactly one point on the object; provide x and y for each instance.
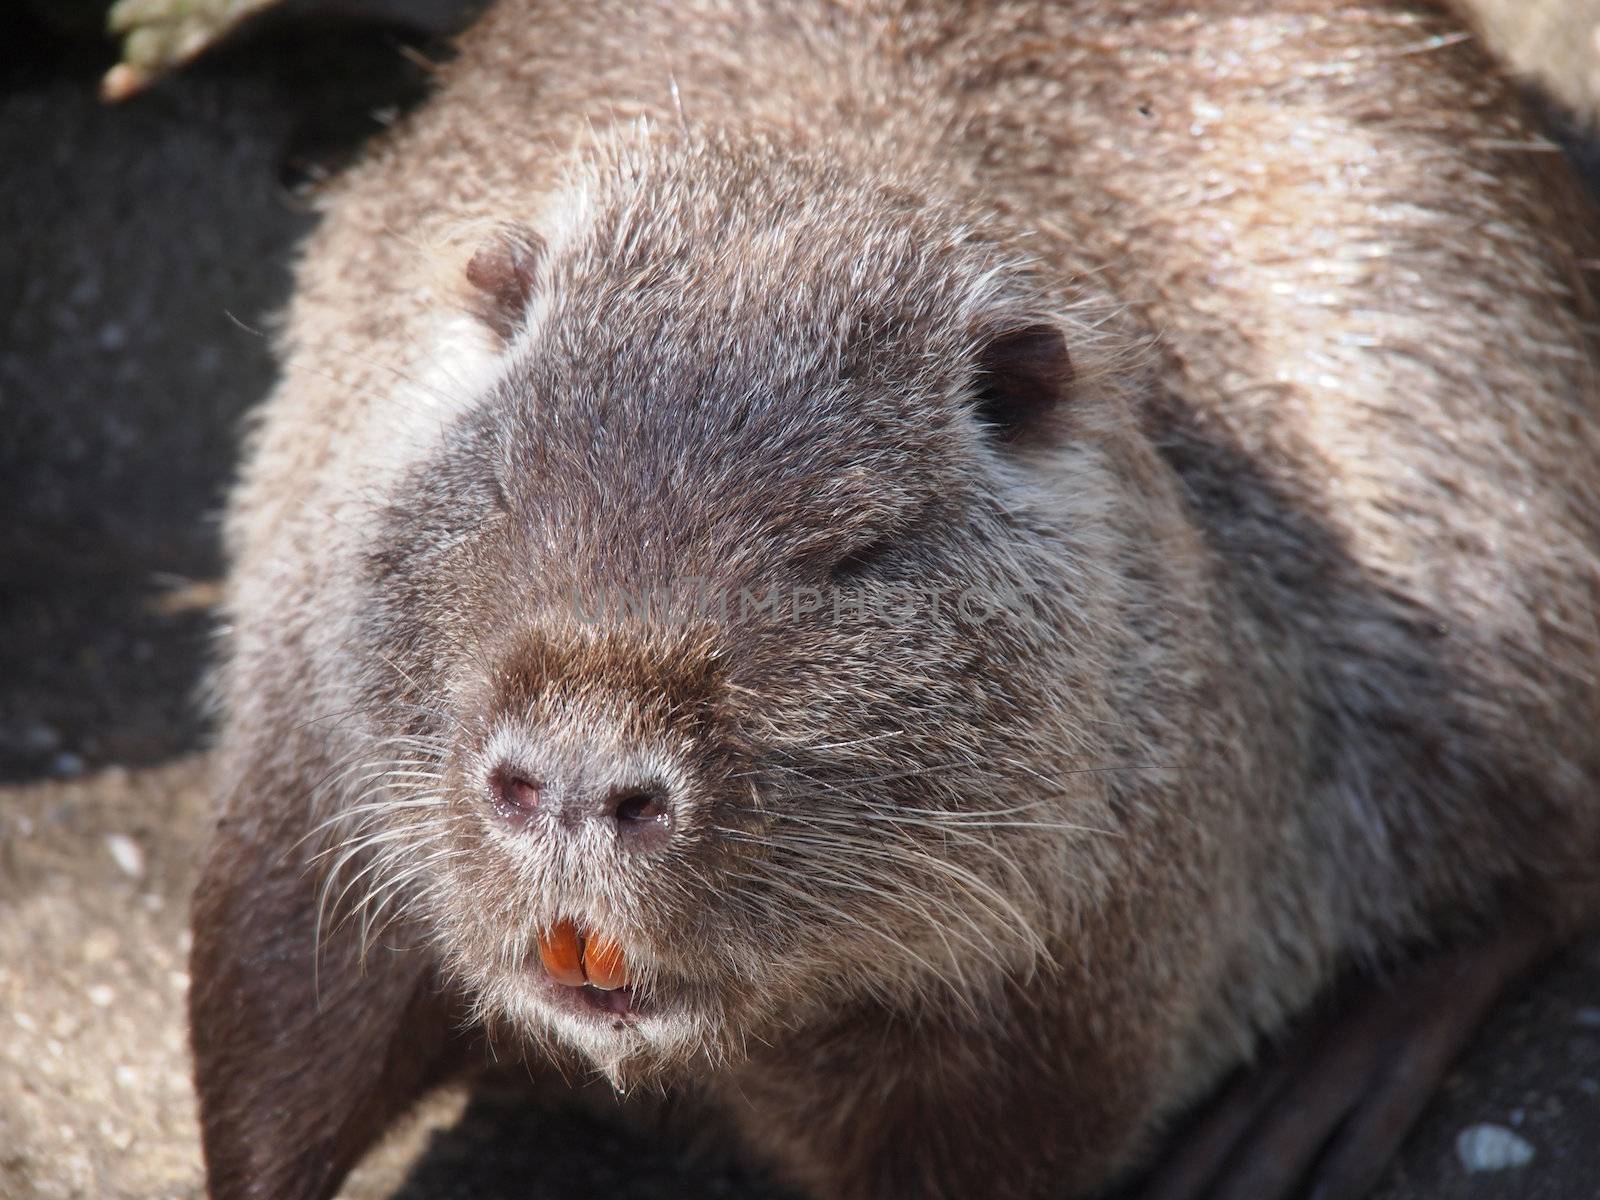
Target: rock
(1492, 1148)
(127, 854)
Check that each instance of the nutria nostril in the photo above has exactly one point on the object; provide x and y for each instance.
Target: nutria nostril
(513, 794)
(642, 814)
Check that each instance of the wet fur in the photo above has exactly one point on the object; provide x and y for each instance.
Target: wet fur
(1303, 676)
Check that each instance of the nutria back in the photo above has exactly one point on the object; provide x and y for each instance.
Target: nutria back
(908, 571)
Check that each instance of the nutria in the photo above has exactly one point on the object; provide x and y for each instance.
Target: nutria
(1221, 389)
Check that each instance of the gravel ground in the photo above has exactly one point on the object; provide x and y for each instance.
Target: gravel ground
(142, 252)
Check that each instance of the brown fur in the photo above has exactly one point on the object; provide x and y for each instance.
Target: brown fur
(1295, 519)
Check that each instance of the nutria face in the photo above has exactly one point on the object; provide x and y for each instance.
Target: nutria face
(724, 636)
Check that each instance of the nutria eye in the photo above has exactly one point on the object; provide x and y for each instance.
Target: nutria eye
(497, 491)
(860, 562)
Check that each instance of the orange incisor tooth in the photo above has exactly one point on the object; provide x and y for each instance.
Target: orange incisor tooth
(603, 962)
(561, 954)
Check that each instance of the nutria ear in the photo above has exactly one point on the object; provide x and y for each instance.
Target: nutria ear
(1023, 375)
(500, 278)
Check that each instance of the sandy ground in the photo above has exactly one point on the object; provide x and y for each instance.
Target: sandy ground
(142, 251)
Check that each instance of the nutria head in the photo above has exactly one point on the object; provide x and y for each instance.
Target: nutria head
(741, 649)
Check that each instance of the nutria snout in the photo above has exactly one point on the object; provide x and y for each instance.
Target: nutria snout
(640, 814)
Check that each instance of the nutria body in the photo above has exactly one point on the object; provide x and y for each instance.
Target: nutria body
(1234, 358)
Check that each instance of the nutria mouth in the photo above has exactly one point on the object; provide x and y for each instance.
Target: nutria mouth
(588, 1000)
(588, 971)
(620, 1001)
